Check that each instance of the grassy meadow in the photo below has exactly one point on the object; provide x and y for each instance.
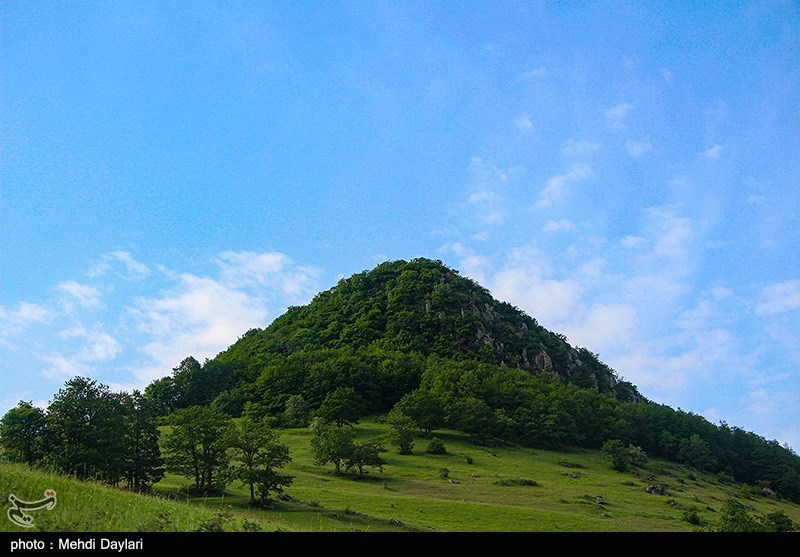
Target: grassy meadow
(484, 489)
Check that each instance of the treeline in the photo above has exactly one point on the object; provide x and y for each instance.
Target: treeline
(88, 432)
(494, 404)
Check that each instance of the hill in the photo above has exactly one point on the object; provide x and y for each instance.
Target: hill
(421, 306)
(418, 337)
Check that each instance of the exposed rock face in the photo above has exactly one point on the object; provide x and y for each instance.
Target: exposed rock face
(543, 362)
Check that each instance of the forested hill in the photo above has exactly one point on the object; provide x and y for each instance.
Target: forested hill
(422, 306)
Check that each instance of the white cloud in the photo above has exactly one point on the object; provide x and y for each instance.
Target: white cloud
(96, 346)
(13, 320)
(132, 269)
(571, 147)
(86, 295)
(558, 226)
(638, 148)
(532, 74)
(713, 152)
(619, 112)
(604, 326)
(273, 271)
(523, 123)
(779, 298)
(632, 242)
(480, 196)
(557, 185)
(199, 317)
(666, 74)
(494, 217)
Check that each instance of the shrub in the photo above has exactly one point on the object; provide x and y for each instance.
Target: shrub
(436, 446)
(444, 473)
(692, 518)
(517, 481)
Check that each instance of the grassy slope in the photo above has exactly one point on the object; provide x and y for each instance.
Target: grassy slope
(410, 491)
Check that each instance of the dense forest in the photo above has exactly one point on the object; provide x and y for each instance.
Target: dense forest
(413, 341)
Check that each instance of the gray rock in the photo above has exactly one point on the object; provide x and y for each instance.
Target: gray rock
(657, 489)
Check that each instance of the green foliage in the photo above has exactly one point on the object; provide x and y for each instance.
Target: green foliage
(444, 473)
(22, 432)
(623, 456)
(365, 454)
(424, 408)
(692, 518)
(144, 465)
(197, 446)
(297, 411)
(258, 456)
(696, 452)
(402, 433)
(735, 517)
(331, 445)
(86, 431)
(436, 446)
(343, 406)
(473, 416)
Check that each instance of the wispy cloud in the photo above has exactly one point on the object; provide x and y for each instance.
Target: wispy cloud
(87, 296)
(13, 320)
(617, 113)
(562, 225)
(571, 147)
(638, 148)
(556, 186)
(480, 196)
(523, 122)
(535, 73)
(94, 346)
(713, 152)
(779, 298)
(128, 267)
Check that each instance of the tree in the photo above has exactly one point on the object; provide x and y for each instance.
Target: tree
(197, 446)
(331, 444)
(424, 408)
(473, 416)
(162, 395)
(86, 426)
(365, 454)
(144, 465)
(695, 451)
(623, 456)
(297, 411)
(21, 433)
(343, 406)
(402, 433)
(259, 455)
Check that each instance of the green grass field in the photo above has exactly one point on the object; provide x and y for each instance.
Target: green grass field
(411, 495)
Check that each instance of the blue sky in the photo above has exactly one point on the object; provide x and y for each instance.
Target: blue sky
(175, 173)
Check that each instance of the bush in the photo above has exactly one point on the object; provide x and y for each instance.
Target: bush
(517, 481)
(692, 518)
(436, 446)
(470, 460)
(444, 473)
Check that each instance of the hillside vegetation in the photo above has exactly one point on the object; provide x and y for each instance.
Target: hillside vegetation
(485, 490)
